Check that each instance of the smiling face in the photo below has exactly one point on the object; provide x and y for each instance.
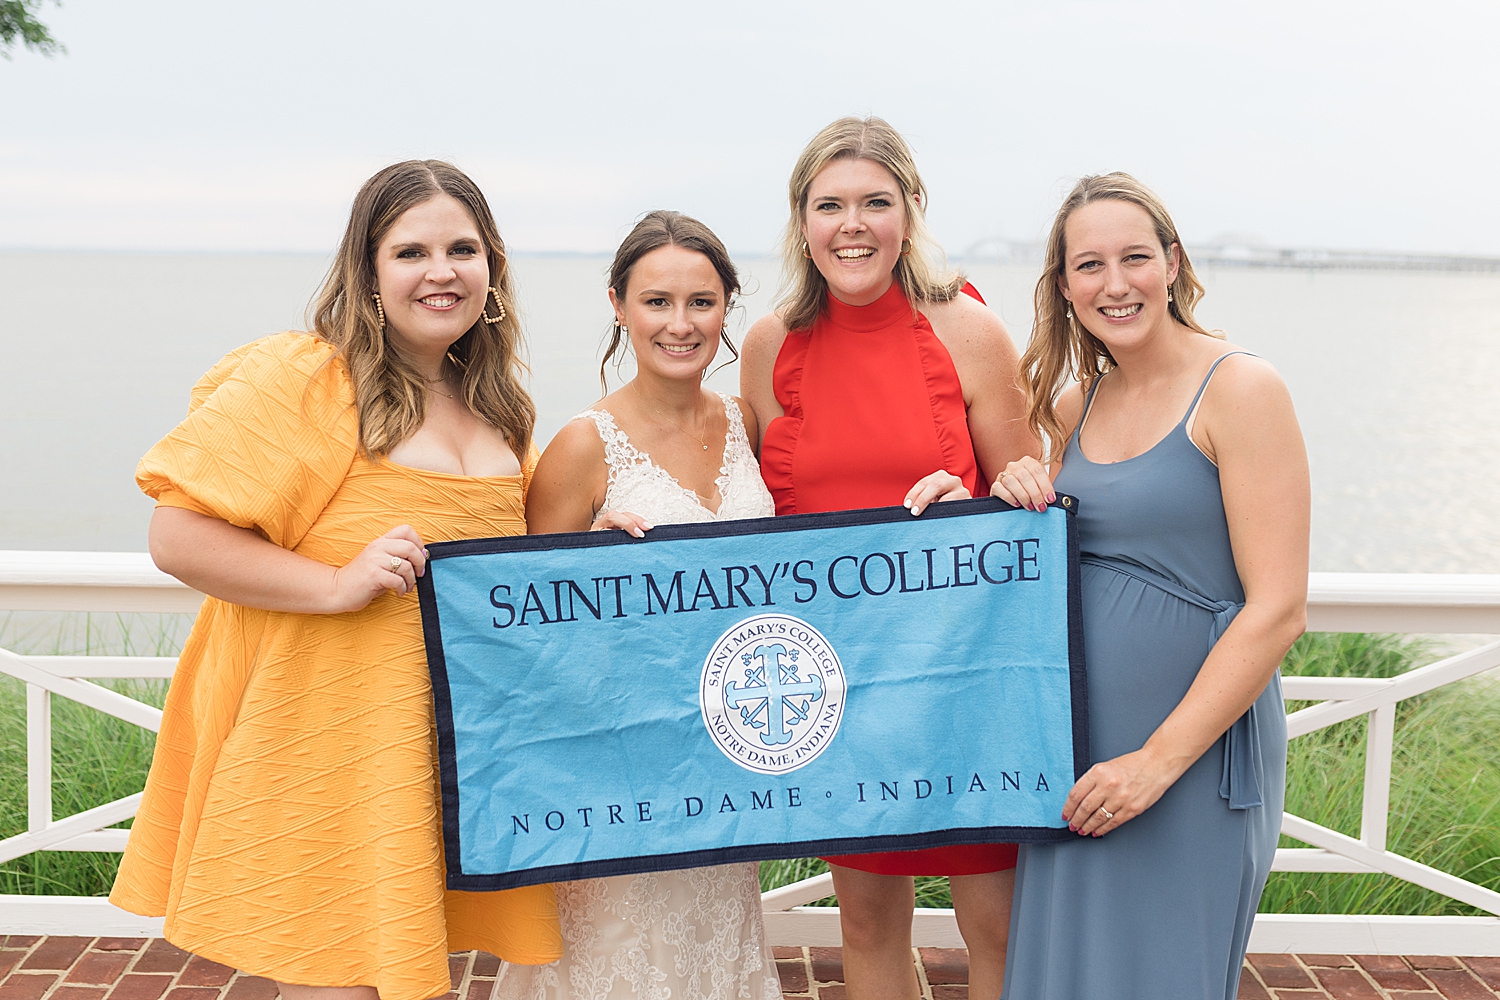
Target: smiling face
(1115, 272)
(674, 306)
(854, 223)
(432, 275)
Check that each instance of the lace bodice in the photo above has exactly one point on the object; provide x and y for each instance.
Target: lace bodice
(638, 485)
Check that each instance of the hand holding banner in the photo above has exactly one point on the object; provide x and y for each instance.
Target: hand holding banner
(772, 688)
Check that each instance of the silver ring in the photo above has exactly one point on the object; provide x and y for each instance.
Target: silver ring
(396, 562)
(1107, 814)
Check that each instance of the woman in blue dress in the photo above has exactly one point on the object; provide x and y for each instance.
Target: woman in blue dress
(1186, 457)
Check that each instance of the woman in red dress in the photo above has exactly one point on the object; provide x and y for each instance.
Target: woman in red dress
(876, 383)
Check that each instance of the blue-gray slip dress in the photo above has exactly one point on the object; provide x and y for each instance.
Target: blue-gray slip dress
(1160, 908)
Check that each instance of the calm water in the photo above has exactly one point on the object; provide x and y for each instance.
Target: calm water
(1392, 374)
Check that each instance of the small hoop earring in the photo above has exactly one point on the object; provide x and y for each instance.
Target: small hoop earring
(379, 309)
(805, 250)
(907, 242)
(494, 319)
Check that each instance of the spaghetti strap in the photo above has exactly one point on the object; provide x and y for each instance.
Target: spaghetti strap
(1089, 403)
(1204, 386)
(1088, 407)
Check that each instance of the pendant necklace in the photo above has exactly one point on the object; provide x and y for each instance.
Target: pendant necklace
(657, 413)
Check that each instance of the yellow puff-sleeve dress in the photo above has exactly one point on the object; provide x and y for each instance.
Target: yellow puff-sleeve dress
(291, 824)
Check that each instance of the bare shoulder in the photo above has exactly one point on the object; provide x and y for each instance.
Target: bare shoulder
(575, 446)
(1244, 381)
(758, 355)
(965, 322)
(1069, 406)
(763, 340)
(1247, 411)
(570, 480)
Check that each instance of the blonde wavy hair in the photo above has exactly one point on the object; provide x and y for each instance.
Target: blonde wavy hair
(860, 139)
(1061, 349)
(389, 393)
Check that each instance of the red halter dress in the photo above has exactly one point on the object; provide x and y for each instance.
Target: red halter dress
(872, 404)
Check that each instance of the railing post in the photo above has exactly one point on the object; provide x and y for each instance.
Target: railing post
(1380, 743)
(38, 758)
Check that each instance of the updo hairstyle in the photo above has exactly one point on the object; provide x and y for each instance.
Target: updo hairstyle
(666, 229)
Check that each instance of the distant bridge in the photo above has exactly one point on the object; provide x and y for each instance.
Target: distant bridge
(1255, 255)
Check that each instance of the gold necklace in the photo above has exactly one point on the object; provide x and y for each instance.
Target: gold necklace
(660, 419)
(433, 383)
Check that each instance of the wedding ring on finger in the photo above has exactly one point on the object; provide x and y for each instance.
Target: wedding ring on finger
(1107, 814)
(396, 562)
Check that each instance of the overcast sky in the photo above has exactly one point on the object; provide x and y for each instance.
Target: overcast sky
(184, 124)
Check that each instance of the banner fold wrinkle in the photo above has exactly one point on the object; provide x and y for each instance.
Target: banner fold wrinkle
(836, 683)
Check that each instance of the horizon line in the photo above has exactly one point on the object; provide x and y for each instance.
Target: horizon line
(1219, 252)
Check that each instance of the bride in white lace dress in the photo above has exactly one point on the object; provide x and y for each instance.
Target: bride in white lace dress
(661, 450)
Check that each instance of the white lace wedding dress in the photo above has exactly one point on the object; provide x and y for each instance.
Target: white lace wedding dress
(695, 934)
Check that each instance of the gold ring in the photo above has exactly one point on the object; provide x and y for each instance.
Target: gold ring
(396, 562)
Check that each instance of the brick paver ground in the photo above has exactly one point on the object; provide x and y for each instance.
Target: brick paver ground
(818, 974)
(82, 968)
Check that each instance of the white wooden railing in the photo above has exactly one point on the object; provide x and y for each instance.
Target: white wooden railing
(1338, 602)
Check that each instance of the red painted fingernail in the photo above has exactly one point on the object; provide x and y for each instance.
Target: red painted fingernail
(1052, 498)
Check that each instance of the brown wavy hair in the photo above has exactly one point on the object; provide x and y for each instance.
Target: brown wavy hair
(860, 139)
(389, 393)
(1061, 349)
(667, 229)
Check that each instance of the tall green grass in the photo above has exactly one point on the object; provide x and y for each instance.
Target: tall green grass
(1445, 788)
(95, 758)
(1445, 783)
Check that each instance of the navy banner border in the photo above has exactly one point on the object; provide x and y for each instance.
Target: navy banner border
(458, 879)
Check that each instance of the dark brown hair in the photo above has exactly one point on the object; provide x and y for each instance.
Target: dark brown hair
(667, 229)
(389, 393)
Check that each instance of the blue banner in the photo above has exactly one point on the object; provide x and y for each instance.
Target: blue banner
(773, 688)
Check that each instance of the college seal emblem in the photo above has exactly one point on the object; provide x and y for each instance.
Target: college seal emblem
(772, 693)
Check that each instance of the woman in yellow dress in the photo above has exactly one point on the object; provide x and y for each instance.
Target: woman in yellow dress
(291, 824)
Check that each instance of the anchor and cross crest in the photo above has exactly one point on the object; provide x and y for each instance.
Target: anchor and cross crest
(774, 698)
